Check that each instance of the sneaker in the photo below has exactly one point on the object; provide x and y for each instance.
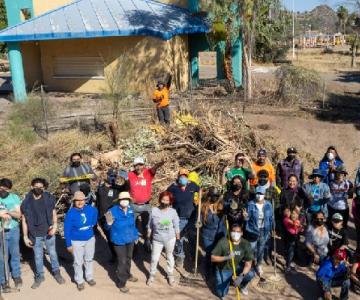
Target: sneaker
(91, 282)
(179, 262)
(80, 286)
(171, 280)
(150, 280)
(59, 279)
(18, 282)
(244, 291)
(259, 270)
(37, 282)
(5, 288)
(133, 279)
(124, 289)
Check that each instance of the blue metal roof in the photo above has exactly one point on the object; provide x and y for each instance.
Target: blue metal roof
(105, 18)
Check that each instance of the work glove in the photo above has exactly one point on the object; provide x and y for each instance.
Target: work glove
(239, 279)
(27, 241)
(109, 218)
(147, 245)
(229, 257)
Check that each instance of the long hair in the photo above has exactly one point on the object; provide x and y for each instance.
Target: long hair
(337, 156)
(205, 208)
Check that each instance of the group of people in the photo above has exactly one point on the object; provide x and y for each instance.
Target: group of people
(238, 222)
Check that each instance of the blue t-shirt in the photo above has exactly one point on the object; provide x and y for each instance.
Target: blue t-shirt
(10, 203)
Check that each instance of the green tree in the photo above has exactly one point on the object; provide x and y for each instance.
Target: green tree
(343, 15)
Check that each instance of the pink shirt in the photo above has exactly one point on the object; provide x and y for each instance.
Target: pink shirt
(290, 227)
(140, 186)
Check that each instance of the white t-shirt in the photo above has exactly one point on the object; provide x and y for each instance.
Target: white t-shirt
(260, 207)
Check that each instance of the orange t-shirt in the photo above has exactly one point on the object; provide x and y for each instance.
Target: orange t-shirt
(161, 97)
(268, 167)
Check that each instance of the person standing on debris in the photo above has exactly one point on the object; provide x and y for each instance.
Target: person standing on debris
(120, 221)
(242, 254)
(39, 224)
(355, 210)
(262, 163)
(140, 190)
(341, 190)
(106, 195)
(161, 99)
(77, 173)
(333, 272)
(10, 215)
(329, 163)
(239, 170)
(165, 231)
(291, 165)
(259, 225)
(79, 225)
(184, 192)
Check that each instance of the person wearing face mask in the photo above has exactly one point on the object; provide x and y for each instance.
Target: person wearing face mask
(317, 239)
(290, 165)
(75, 170)
(329, 163)
(341, 190)
(262, 163)
(235, 201)
(259, 225)
(239, 170)
(183, 191)
(318, 194)
(107, 194)
(242, 255)
(337, 234)
(39, 224)
(10, 216)
(355, 210)
(164, 229)
(120, 221)
(79, 225)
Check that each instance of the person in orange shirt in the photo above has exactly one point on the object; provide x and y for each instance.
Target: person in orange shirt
(262, 163)
(161, 98)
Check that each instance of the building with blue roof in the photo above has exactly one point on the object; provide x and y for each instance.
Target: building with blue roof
(84, 45)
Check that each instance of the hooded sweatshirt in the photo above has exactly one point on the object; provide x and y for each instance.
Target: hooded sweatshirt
(79, 224)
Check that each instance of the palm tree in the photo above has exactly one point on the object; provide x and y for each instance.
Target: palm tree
(342, 14)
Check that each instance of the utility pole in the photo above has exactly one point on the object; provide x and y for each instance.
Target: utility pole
(293, 28)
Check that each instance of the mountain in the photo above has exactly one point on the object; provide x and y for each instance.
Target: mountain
(322, 18)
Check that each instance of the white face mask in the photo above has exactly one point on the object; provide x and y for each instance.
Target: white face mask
(124, 203)
(260, 197)
(330, 156)
(235, 236)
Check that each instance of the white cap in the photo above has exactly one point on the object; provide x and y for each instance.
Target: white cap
(139, 161)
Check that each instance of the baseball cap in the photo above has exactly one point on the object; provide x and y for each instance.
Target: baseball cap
(340, 254)
(262, 151)
(139, 161)
(183, 171)
(260, 190)
(291, 150)
(337, 217)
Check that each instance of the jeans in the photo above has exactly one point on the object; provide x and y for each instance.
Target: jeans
(83, 252)
(157, 247)
(223, 279)
(124, 255)
(50, 243)
(342, 282)
(143, 211)
(290, 246)
(183, 228)
(12, 238)
(344, 212)
(163, 114)
(259, 246)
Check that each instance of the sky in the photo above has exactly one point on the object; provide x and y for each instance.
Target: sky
(303, 5)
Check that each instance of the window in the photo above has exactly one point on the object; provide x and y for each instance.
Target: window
(78, 67)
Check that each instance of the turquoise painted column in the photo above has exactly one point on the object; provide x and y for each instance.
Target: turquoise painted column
(13, 12)
(236, 61)
(193, 6)
(220, 53)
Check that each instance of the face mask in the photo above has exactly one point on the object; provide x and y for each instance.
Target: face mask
(260, 197)
(37, 191)
(183, 181)
(4, 194)
(124, 203)
(263, 181)
(319, 222)
(164, 205)
(291, 156)
(117, 186)
(75, 164)
(235, 236)
(236, 187)
(330, 156)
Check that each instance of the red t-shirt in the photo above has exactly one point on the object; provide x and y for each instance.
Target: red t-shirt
(140, 186)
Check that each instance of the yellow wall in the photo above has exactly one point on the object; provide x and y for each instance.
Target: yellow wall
(32, 63)
(147, 59)
(42, 6)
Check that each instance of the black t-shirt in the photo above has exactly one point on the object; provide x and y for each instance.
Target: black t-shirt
(337, 238)
(107, 195)
(41, 225)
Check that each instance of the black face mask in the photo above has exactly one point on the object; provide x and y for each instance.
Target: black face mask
(236, 187)
(75, 164)
(4, 194)
(163, 205)
(291, 157)
(37, 191)
(263, 181)
(117, 186)
(319, 222)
